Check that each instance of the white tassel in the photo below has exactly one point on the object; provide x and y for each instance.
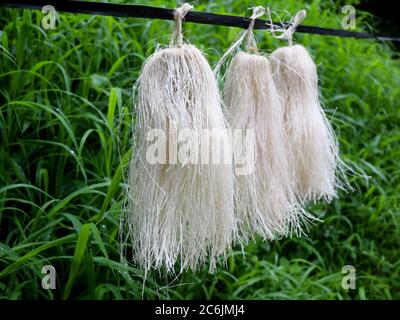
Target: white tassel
(313, 147)
(265, 201)
(179, 211)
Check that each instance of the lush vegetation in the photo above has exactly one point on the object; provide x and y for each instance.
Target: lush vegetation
(65, 129)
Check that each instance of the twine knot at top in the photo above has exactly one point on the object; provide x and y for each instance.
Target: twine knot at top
(179, 14)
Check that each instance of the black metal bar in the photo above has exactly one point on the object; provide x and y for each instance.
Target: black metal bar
(139, 11)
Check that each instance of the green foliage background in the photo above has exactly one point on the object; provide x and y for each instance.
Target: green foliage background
(65, 126)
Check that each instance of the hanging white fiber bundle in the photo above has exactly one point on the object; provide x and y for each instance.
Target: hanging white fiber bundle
(265, 202)
(313, 147)
(181, 210)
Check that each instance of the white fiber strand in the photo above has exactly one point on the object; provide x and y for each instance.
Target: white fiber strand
(179, 211)
(265, 201)
(314, 152)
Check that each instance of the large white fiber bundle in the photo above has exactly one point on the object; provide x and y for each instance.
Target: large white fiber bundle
(311, 140)
(265, 202)
(181, 210)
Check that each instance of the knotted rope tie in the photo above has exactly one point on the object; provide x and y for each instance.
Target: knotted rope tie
(251, 44)
(287, 32)
(179, 14)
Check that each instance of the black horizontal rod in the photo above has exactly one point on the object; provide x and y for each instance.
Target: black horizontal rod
(139, 11)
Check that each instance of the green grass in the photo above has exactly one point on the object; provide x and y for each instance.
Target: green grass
(65, 129)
